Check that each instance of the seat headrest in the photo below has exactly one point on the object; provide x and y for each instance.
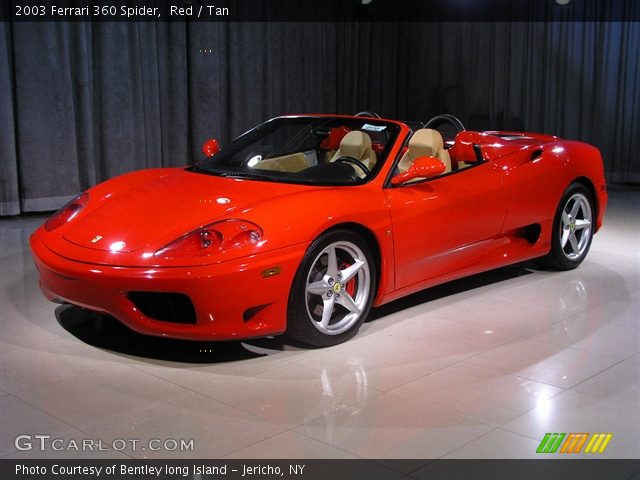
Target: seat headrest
(425, 143)
(355, 144)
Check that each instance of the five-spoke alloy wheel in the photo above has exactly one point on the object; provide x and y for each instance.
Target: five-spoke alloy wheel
(572, 229)
(575, 222)
(332, 291)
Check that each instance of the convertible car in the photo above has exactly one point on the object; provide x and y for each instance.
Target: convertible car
(302, 224)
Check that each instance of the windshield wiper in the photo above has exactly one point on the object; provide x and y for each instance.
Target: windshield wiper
(245, 175)
(241, 175)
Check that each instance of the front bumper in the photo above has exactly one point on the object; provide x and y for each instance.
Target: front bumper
(232, 300)
(603, 199)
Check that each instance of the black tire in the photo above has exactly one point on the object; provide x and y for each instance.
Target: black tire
(566, 257)
(307, 309)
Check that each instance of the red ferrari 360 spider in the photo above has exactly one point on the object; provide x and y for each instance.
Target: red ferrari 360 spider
(304, 223)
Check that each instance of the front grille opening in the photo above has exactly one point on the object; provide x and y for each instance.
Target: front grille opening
(165, 306)
(250, 313)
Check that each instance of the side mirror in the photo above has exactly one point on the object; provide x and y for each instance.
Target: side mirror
(210, 147)
(422, 167)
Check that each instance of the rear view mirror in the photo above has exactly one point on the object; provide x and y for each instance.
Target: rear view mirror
(210, 147)
(423, 168)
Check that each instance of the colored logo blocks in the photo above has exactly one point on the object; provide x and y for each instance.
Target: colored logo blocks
(574, 442)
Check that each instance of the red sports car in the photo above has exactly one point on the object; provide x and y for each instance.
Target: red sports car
(304, 223)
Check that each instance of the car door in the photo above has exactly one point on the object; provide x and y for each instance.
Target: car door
(445, 224)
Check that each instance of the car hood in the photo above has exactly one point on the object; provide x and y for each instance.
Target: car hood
(161, 209)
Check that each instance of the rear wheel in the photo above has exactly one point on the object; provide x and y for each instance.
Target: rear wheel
(572, 229)
(332, 290)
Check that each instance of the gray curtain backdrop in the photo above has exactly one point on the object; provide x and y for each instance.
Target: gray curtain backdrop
(84, 102)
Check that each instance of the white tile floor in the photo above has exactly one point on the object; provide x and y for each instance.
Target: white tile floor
(479, 368)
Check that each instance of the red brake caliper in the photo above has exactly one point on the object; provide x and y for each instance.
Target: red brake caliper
(350, 286)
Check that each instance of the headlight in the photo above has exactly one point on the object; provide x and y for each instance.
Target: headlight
(66, 213)
(211, 239)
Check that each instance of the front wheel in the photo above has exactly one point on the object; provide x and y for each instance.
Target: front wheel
(332, 290)
(572, 229)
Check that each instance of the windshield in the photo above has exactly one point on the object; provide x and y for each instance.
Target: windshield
(308, 150)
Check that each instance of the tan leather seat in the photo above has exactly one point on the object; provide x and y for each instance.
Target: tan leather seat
(357, 144)
(425, 143)
(287, 163)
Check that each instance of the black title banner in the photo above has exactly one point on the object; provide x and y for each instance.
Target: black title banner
(319, 469)
(320, 10)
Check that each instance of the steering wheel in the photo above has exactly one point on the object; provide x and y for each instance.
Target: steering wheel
(445, 119)
(354, 161)
(367, 113)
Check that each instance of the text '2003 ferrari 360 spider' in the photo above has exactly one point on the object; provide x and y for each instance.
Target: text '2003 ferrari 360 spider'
(302, 224)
